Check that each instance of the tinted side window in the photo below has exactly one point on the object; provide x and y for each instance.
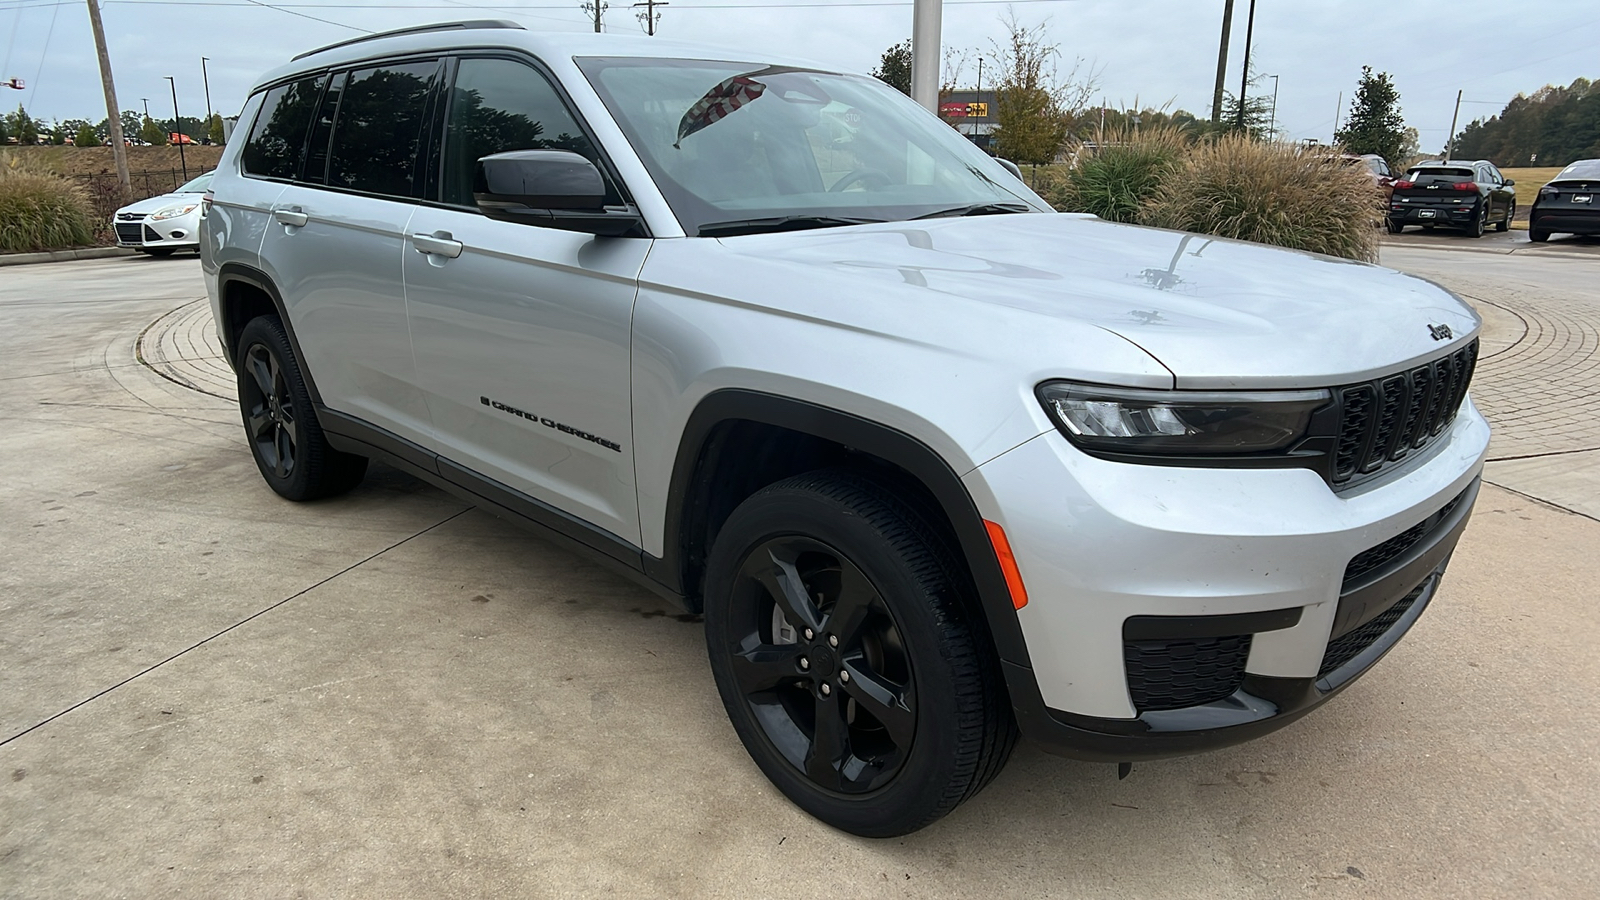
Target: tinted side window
(499, 105)
(279, 137)
(382, 117)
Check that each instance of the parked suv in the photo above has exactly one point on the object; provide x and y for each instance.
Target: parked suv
(937, 464)
(1465, 195)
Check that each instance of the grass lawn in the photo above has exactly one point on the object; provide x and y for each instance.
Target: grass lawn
(1528, 183)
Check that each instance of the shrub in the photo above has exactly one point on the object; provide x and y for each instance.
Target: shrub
(39, 211)
(1114, 175)
(1234, 187)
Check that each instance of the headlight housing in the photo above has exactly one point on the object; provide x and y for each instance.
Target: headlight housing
(1118, 420)
(172, 212)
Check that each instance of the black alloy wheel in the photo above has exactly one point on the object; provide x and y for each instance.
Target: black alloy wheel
(1505, 224)
(821, 665)
(850, 660)
(1480, 221)
(285, 438)
(1393, 226)
(1538, 235)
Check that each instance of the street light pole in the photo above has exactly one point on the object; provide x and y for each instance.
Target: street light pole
(1222, 63)
(925, 24)
(1244, 79)
(177, 122)
(1274, 131)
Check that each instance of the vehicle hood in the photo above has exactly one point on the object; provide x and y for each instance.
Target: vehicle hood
(156, 204)
(1218, 313)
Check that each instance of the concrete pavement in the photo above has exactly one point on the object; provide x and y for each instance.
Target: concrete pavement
(207, 691)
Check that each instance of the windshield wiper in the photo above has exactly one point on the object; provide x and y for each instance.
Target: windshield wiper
(978, 209)
(777, 223)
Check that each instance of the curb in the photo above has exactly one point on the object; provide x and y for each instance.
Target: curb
(49, 256)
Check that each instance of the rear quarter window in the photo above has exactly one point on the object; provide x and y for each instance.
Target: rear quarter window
(278, 138)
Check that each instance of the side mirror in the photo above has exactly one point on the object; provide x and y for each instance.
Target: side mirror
(552, 189)
(1010, 167)
(1509, 183)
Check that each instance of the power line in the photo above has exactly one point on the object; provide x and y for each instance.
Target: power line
(33, 87)
(304, 16)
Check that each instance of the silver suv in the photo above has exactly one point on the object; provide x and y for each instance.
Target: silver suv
(939, 465)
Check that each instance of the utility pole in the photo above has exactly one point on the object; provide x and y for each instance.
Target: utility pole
(146, 102)
(1244, 78)
(649, 17)
(119, 151)
(1222, 63)
(980, 97)
(1450, 145)
(1274, 131)
(598, 9)
(925, 25)
(206, 80)
(177, 122)
(1338, 110)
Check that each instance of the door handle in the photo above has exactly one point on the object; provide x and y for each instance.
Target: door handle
(440, 243)
(291, 215)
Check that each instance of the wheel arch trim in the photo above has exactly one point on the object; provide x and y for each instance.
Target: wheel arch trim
(239, 273)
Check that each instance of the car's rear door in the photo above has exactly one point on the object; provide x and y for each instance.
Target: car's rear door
(522, 332)
(336, 238)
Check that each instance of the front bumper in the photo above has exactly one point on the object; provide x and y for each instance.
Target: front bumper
(1244, 578)
(178, 233)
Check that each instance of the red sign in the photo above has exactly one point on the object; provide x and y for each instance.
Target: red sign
(953, 110)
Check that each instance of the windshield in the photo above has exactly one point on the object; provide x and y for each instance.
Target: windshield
(737, 147)
(197, 186)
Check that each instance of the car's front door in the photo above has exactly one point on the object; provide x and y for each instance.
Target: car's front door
(337, 236)
(522, 332)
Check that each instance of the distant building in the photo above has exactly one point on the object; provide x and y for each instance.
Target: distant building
(972, 113)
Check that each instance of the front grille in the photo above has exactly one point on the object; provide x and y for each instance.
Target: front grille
(128, 234)
(1348, 646)
(1173, 674)
(1383, 421)
(130, 217)
(1381, 555)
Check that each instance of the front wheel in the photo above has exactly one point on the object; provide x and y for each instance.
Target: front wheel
(1538, 236)
(850, 663)
(285, 437)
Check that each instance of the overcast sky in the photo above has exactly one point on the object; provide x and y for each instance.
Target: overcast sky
(1155, 52)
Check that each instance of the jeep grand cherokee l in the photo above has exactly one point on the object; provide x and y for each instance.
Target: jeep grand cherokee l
(939, 465)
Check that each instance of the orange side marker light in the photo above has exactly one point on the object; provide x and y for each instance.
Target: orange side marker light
(1008, 563)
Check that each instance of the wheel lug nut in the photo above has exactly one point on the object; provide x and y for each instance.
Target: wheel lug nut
(826, 690)
(833, 640)
(810, 634)
(805, 663)
(844, 677)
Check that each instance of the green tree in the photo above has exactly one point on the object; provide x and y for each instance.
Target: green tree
(214, 129)
(58, 135)
(1553, 127)
(1375, 124)
(1031, 123)
(86, 137)
(151, 133)
(894, 69)
(22, 126)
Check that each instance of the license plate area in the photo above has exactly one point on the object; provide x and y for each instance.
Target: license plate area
(1426, 213)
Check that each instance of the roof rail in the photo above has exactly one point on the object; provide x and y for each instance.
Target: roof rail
(419, 29)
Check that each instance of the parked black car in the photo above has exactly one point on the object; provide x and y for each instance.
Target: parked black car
(1568, 203)
(1453, 194)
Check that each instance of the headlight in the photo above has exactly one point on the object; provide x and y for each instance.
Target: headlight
(1180, 423)
(172, 212)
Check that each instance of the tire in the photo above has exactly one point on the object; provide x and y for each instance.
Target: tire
(1479, 223)
(908, 707)
(1504, 225)
(1393, 227)
(1537, 236)
(280, 423)
(159, 251)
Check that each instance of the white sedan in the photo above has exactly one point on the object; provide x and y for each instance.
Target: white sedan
(160, 225)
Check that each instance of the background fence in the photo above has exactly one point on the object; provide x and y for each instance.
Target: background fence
(104, 192)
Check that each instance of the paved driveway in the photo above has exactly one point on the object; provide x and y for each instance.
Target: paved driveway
(206, 691)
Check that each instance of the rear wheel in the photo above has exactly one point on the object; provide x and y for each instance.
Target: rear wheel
(1479, 223)
(852, 669)
(1393, 226)
(1537, 236)
(285, 437)
(1505, 224)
